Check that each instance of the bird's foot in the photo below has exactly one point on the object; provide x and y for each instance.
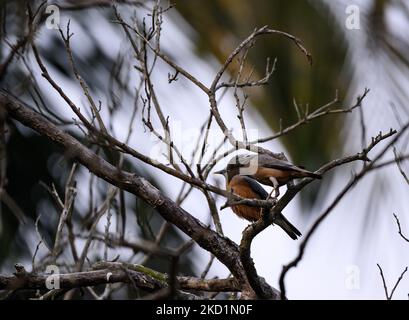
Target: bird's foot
(272, 200)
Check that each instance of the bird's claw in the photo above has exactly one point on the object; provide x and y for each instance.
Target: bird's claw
(272, 200)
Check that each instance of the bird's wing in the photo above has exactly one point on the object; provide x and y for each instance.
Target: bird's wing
(267, 161)
(256, 187)
(270, 162)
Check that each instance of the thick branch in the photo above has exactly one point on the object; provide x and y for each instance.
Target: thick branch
(80, 279)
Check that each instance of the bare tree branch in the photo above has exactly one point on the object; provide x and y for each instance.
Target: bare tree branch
(223, 248)
(399, 229)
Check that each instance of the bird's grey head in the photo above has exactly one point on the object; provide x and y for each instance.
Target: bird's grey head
(234, 166)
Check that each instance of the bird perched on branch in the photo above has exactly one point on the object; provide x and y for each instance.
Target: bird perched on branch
(267, 170)
(247, 187)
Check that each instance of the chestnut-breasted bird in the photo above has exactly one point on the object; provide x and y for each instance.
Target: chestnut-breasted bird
(267, 170)
(247, 187)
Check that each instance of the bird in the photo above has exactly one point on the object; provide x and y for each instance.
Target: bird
(268, 170)
(247, 187)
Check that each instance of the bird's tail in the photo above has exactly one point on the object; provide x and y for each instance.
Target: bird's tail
(307, 173)
(286, 225)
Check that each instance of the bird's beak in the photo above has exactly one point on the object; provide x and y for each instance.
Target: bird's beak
(222, 172)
